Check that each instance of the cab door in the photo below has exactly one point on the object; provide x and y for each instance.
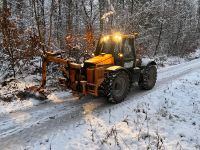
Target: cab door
(128, 52)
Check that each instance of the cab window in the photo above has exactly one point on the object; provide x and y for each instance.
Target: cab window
(128, 52)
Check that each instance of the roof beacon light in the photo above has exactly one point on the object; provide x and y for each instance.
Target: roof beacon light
(105, 38)
(117, 37)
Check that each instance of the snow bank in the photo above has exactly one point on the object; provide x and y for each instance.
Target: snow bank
(9, 102)
(164, 60)
(9, 107)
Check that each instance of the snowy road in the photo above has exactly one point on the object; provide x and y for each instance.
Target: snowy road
(21, 128)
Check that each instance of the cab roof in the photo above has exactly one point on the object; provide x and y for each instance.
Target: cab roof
(134, 35)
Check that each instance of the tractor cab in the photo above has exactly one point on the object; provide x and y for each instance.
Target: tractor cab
(121, 47)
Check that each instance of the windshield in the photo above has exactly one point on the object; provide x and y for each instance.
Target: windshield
(109, 47)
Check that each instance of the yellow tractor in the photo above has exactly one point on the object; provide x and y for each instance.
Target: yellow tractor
(111, 70)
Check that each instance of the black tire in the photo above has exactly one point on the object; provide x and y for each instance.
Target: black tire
(148, 78)
(116, 86)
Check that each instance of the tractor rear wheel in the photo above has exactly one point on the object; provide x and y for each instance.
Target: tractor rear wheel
(148, 78)
(116, 86)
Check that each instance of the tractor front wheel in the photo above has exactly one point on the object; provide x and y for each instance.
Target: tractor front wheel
(117, 86)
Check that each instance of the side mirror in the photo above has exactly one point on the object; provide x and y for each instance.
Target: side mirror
(136, 34)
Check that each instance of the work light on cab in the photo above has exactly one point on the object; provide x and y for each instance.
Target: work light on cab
(117, 37)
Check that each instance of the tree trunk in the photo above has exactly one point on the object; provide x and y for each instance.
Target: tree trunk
(50, 19)
(5, 5)
(69, 18)
(40, 21)
(159, 39)
(101, 7)
(198, 14)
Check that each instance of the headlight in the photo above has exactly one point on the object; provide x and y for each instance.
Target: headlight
(120, 55)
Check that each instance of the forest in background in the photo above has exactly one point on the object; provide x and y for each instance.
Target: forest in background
(30, 27)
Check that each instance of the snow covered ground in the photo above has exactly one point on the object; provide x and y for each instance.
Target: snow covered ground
(167, 117)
